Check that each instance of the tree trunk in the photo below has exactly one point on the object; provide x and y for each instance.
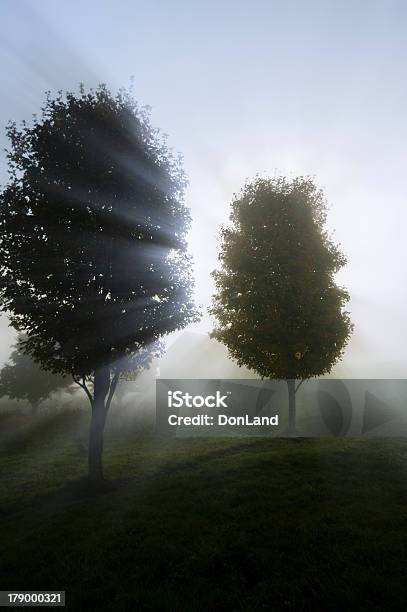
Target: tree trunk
(97, 425)
(291, 407)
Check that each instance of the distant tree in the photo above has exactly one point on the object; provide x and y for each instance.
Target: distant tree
(94, 263)
(23, 379)
(278, 309)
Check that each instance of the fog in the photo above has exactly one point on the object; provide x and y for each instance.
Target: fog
(245, 87)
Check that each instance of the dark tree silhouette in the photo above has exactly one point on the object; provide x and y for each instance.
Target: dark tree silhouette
(93, 253)
(23, 379)
(278, 309)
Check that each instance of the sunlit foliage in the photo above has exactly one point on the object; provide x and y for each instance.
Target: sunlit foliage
(277, 306)
(93, 226)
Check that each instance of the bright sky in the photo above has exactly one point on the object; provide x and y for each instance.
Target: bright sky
(292, 87)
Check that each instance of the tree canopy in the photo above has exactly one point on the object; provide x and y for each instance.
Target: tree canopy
(277, 306)
(93, 224)
(23, 379)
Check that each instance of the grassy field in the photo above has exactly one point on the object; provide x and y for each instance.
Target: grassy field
(204, 524)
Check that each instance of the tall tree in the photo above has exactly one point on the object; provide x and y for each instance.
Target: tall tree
(278, 309)
(93, 254)
(23, 379)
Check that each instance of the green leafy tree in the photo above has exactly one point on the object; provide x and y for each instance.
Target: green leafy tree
(23, 379)
(94, 262)
(277, 307)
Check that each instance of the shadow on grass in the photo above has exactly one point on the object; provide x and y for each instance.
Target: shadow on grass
(248, 524)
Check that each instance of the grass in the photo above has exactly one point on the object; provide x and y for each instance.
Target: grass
(204, 524)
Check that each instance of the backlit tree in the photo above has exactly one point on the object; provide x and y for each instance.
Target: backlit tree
(93, 253)
(277, 306)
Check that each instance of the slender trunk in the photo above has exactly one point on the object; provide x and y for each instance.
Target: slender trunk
(291, 406)
(97, 425)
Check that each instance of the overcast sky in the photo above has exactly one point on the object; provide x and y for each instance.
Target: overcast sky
(289, 87)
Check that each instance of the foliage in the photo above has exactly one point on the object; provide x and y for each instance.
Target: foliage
(93, 250)
(22, 378)
(278, 309)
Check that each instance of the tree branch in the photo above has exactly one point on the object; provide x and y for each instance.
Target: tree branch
(84, 387)
(299, 384)
(112, 389)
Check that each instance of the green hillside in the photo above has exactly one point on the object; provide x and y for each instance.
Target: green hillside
(219, 524)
